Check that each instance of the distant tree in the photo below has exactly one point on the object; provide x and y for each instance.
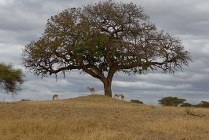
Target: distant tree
(136, 101)
(102, 39)
(171, 101)
(11, 79)
(203, 104)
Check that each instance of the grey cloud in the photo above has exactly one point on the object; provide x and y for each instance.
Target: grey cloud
(184, 17)
(24, 20)
(10, 53)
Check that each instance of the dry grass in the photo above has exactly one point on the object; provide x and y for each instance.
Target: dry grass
(100, 118)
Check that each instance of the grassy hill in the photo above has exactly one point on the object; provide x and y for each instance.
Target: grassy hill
(97, 117)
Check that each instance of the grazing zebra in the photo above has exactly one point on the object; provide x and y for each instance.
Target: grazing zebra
(91, 90)
(55, 97)
(119, 96)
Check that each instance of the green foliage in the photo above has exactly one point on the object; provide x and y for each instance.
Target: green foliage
(203, 104)
(171, 101)
(11, 79)
(136, 101)
(186, 105)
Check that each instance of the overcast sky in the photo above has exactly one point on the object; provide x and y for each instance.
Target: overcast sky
(22, 21)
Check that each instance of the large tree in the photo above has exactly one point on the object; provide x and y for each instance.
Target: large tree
(11, 79)
(102, 39)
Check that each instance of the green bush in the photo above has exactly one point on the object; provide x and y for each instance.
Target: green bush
(136, 101)
(186, 105)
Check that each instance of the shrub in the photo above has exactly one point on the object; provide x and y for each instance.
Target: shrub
(136, 101)
(186, 105)
(25, 99)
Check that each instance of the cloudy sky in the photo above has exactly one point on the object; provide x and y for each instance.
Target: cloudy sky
(22, 21)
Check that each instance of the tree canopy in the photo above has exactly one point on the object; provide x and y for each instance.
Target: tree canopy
(11, 79)
(171, 101)
(102, 39)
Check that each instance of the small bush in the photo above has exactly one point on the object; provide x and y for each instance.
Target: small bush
(25, 99)
(136, 101)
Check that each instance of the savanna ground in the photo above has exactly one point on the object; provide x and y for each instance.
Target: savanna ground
(97, 117)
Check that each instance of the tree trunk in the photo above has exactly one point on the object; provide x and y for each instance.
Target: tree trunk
(108, 87)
